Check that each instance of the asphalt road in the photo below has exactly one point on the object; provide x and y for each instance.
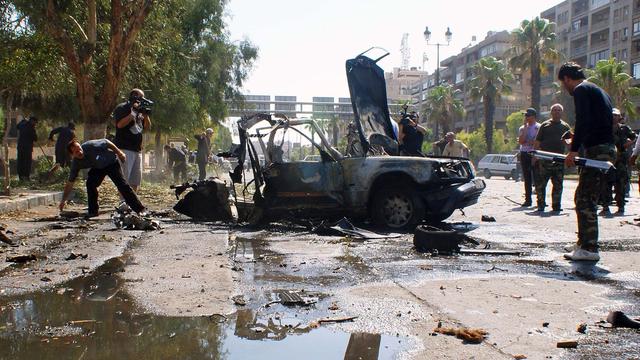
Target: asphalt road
(214, 291)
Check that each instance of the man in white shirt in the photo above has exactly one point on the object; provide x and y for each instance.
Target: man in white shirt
(526, 138)
(454, 148)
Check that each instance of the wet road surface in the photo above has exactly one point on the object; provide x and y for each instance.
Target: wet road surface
(395, 295)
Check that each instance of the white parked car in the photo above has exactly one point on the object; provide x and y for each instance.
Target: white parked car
(500, 165)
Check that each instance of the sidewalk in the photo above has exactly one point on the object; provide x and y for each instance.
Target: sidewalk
(28, 199)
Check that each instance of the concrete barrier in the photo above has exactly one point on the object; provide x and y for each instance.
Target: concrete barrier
(28, 201)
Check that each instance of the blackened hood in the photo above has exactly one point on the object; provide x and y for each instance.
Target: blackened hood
(369, 98)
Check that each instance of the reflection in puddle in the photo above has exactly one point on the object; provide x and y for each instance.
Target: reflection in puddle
(90, 318)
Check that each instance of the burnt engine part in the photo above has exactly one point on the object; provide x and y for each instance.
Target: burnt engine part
(207, 201)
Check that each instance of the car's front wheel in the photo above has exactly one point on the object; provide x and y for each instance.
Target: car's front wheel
(397, 207)
(487, 174)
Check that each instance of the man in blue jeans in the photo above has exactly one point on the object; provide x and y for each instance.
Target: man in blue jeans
(102, 158)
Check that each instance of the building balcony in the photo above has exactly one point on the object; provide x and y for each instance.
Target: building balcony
(582, 30)
(599, 45)
(579, 50)
(600, 25)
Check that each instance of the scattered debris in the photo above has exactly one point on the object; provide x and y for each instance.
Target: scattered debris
(433, 239)
(126, 219)
(239, 300)
(567, 344)
(74, 256)
(489, 252)
(619, 319)
(209, 200)
(487, 218)
(221, 318)
(292, 297)
(21, 259)
(344, 227)
(5, 239)
(496, 269)
(472, 336)
(519, 356)
(336, 320)
(45, 279)
(582, 328)
(545, 324)
(334, 306)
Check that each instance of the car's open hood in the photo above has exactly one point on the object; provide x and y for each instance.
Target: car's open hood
(369, 98)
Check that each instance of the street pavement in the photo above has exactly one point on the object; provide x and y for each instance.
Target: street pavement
(211, 290)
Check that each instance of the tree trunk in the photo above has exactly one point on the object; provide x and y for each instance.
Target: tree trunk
(535, 81)
(5, 142)
(489, 109)
(336, 132)
(159, 152)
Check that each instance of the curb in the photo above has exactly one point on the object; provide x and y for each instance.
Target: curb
(29, 201)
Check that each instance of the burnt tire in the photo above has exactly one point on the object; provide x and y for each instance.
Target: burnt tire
(487, 174)
(398, 208)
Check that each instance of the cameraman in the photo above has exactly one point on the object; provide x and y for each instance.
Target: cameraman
(131, 120)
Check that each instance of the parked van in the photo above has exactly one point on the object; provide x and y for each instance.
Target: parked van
(500, 165)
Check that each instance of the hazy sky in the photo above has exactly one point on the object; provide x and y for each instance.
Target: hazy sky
(303, 44)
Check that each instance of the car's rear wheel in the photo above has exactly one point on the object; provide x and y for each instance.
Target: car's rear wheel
(397, 207)
(487, 174)
(514, 174)
(507, 177)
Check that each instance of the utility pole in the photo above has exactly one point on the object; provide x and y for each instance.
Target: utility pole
(427, 36)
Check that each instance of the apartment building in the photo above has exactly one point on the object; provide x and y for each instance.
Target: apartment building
(592, 30)
(400, 82)
(458, 69)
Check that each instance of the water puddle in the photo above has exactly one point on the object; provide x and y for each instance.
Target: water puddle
(91, 318)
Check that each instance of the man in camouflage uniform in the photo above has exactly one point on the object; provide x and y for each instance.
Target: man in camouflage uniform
(594, 134)
(623, 139)
(549, 138)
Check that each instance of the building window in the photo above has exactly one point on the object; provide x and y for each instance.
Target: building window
(598, 3)
(459, 77)
(600, 55)
(576, 25)
(636, 70)
(636, 28)
(623, 54)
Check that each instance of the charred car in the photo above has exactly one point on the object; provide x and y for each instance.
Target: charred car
(368, 180)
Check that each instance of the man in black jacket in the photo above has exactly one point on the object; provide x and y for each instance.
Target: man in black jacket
(26, 137)
(593, 133)
(65, 135)
(204, 148)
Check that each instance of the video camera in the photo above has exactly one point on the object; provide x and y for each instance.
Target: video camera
(145, 104)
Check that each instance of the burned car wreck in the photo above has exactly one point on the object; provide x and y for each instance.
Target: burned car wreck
(366, 181)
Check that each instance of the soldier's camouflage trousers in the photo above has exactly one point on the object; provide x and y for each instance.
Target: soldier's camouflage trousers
(618, 181)
(587, 194)
(549, 170)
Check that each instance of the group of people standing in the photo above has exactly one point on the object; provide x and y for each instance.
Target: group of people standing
(599, 134)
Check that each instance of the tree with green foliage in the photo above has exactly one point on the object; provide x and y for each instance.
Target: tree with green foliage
(513, 123)
(490, 81)
(443, 105)
(533, 48)
(176, 50)
(611, 76)
(478, 146)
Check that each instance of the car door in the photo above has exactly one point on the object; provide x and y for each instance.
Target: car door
(304, 185)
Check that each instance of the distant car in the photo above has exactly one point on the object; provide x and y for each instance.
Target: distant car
(312, 158)
(500, 165)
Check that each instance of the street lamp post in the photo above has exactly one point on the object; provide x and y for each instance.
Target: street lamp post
(427, 36)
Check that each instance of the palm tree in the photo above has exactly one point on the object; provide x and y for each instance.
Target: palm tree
(442, 105)
(490, 82)
(610, 75)
(533, 47)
